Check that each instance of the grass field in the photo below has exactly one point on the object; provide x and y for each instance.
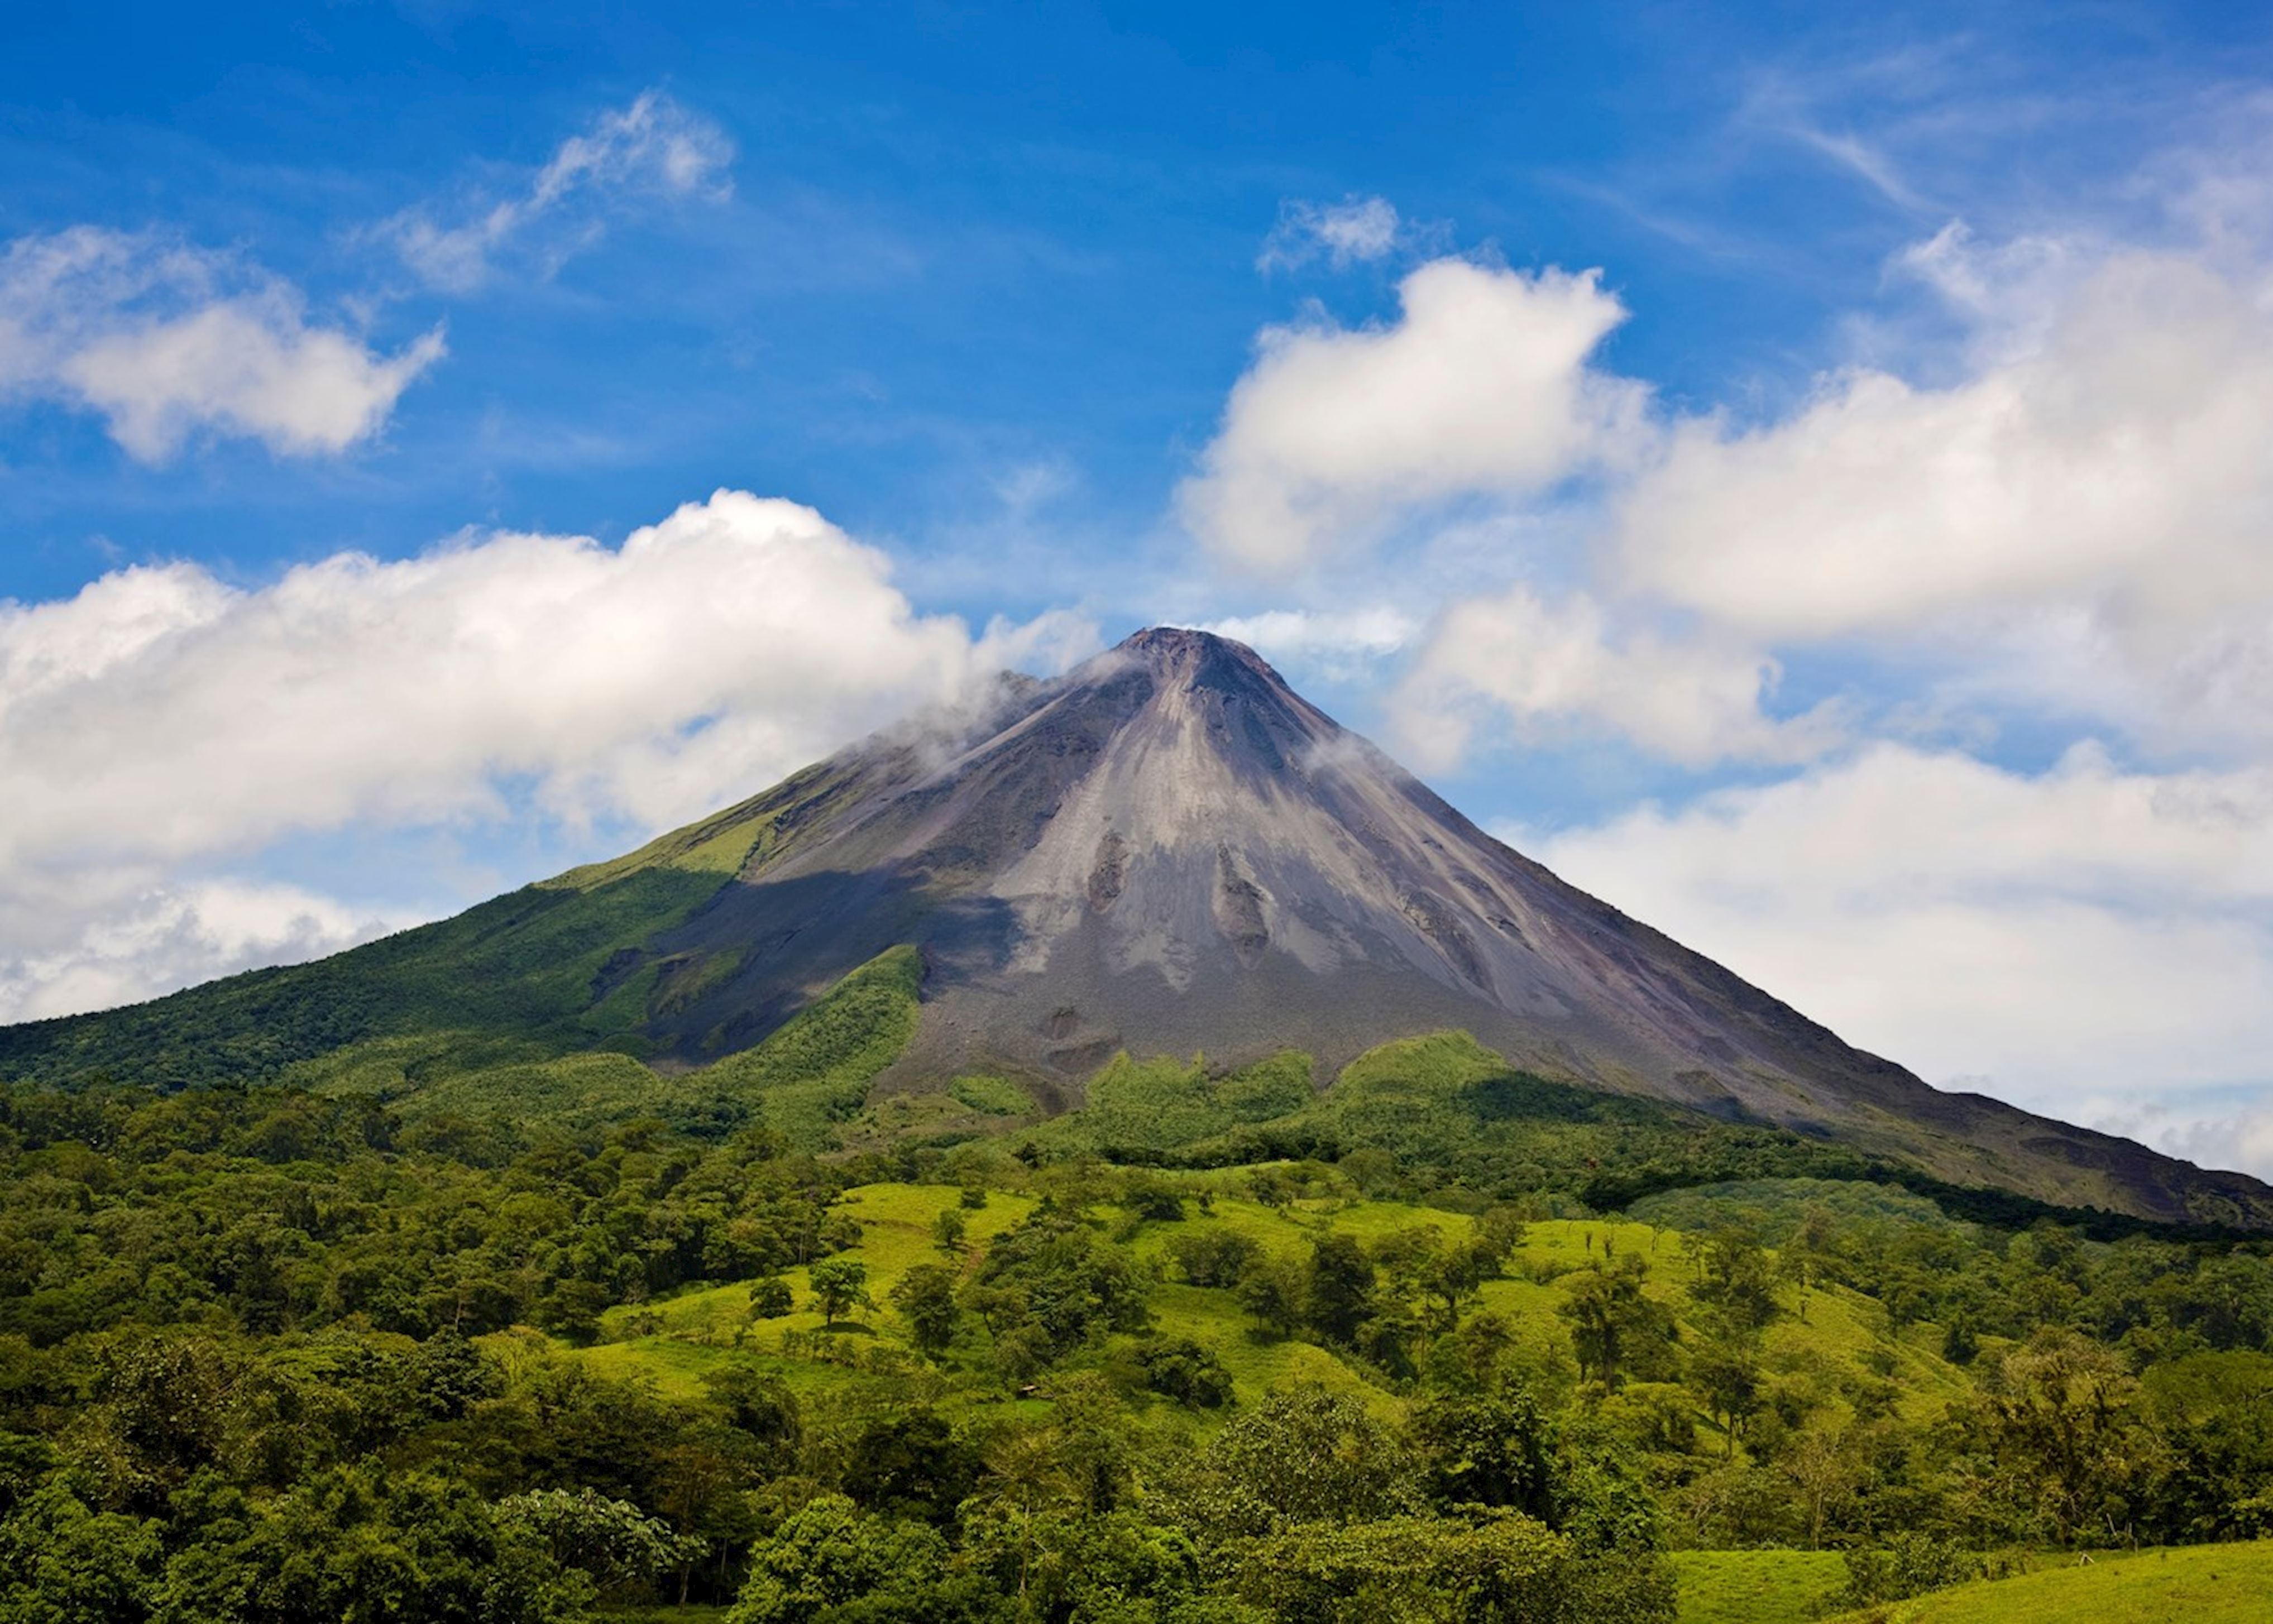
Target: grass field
(1757, 1587)
(2197, 1584)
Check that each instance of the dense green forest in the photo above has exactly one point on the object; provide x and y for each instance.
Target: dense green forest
(504, 1338)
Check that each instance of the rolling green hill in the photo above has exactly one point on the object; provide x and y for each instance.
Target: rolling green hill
(2203, 1584)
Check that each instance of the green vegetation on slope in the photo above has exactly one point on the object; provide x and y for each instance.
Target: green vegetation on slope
(814, 1071)
(810, 1076)
(2204, 1584)
(1136, 1109)
(556, 968)
(1756, 1587)
(511, 979)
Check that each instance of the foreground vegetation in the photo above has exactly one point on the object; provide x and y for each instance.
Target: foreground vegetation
(415, 1331)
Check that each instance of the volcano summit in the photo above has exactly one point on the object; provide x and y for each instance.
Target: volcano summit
(1166, 851)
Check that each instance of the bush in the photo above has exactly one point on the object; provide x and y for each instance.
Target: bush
(770, 1299)
(1213, 1257)
(1910, 1565)
(1181, 1369)
(829, 1553)
(1413, 1570)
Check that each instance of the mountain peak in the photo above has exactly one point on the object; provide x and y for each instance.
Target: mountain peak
(1183, 656)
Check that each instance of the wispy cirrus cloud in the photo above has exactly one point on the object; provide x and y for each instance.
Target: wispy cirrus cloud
(1356, 230)
(653, 149)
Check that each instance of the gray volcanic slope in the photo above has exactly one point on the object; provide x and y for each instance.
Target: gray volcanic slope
(1169, 851)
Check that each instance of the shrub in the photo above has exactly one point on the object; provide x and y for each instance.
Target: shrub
(1910, 1565)
(1181, 1369)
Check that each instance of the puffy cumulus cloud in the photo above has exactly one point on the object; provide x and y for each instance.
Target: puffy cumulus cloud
(2062, 513)
(2090, 942)
(161, 714)
(1482, 386)
(161, 722)
(1355, 229)
(1554, 667)
(2092, 497)
(166, 341)
(654, 147)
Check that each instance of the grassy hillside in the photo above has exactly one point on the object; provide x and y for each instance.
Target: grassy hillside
(806, 1078)
(1757, 1587)
(1834, 1348)
(2198, 1585)
(513, 978)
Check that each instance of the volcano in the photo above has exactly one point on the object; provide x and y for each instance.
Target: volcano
(1165, 851)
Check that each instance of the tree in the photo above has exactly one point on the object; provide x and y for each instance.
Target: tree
(924, 1296)
(1726, 1372)
(840, 1284)
(1823, 1468)
(1022, 1481)
(1458, 1274)
(828, 1553)
(1183, 1370)
(1507, 1570)
(1494, 1450)
(913, 1465)
(1338, 1295)
(1271, 1289)
(2059, 1413)
(1612, 1320)
(1213, 1256)
(1739, 1277)
(1307, 1454)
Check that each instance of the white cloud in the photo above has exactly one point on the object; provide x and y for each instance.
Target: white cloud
(161, 720)
(1339, 637)
(1551, 667)
(165, 341)
(654, 146)
(2090, 942)
(1482, 387)
(2090, 502)
(1355, 229)
(136, 938)
(710, 652)
(2065, 516)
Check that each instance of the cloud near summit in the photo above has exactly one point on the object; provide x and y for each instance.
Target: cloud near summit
(161, 722)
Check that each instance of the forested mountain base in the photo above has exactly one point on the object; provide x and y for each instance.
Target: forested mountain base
(270, 1354)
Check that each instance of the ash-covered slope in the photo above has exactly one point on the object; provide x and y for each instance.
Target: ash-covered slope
(1169, 851)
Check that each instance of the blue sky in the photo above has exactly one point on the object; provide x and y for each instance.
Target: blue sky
(1796, 473)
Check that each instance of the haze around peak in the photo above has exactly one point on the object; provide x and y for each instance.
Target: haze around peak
(1820, 509)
